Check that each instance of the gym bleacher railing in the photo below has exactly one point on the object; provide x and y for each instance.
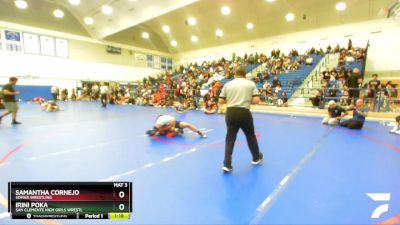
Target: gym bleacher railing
(383, 100)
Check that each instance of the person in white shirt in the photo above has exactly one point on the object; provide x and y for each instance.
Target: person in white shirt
(309, 61)
(103, 94)
(396, 126)
(54, 92)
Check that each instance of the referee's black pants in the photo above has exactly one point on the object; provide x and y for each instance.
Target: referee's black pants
(103, 99)
(239, 118)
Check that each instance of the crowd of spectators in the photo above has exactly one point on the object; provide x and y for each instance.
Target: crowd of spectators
(198, 85)
(346, 85)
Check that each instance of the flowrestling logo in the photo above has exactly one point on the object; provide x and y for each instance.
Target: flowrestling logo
(384, 198)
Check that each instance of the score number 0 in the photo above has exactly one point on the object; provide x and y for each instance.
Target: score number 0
(121, 195)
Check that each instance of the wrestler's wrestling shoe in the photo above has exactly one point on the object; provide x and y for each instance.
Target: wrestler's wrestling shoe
(202, 135)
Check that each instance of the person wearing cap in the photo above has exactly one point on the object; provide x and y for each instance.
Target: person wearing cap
(335, 114)
(169, 126)
(238, 95)
(360, 112)
(10, 103)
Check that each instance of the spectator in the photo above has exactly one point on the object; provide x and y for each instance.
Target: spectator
(309, 61)
(278, 88)
(352, 83)
(276, 82)
(373, 86)
(335, 114)
(334, 75)
(1, 103)
(383, 98)
(396, 126)
(273, 99)
(317, 99)
(211, 107)
(73, 95)
(64, 94)
(283, 100)
(54, 92)
(325, 78)
(350, 44)
(9, 100)
(391, 89)
(349, 59)
(345, 96)
(342, 74)
(332, 93)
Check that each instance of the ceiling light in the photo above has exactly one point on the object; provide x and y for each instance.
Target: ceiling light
(166, 29)
(106, 9)
(194, 38)
(21, 4)
(290, 17)
(174, 43)
(341, 6)
(270, 1)
(219, 33)
(191, 21)
(145, 35)
(225, 10)
(89, 20)
(74, 2)
(58, 13)
(249, 26)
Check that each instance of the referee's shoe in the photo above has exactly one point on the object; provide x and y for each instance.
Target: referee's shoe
(227, 169)
(259, 161)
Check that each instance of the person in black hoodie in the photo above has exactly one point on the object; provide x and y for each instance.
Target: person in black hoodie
(276, 82)
(352, 83)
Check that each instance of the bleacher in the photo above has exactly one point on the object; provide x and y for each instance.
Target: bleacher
(290, 80)
(293, 79)
(251, 67)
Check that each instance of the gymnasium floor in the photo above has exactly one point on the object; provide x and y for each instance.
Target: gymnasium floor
(312, 174)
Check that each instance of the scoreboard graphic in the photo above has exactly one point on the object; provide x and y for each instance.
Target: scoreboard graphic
(70, 200)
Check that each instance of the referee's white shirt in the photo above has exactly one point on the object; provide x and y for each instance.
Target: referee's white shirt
(103, 89)
(239, 93)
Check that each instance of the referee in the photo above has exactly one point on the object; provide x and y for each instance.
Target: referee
(103, 94)
(239, 94)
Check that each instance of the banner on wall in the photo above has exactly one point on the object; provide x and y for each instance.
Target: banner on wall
(1, 40)
(62, 48)
(156, 61)
(47, 45)
(31, 43)
(140, 57)
(13, 41)
(149, 61)
(13, 36)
